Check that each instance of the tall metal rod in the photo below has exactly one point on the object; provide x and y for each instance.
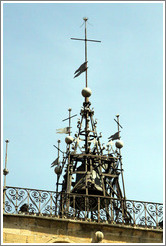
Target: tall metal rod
(86, 84)
(120, 159)
(58, 149)
(57, 183)
(86, 73)
(85, 40)
(69, 164)
(117, 116)
(58, 164)
(86, 187)
(86, 131)
(5, 172)
(69, 120)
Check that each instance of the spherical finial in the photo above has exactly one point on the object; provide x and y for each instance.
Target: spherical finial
(5, 171)
(86, 92)
(58, 170)
(119, 144)
(99, 236)
(85, 18)
(69, 109)
(59, 141)
(68, 139)
(7, 141)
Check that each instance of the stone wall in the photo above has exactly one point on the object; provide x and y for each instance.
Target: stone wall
(37, 229)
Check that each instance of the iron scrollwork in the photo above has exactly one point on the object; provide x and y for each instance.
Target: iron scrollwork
(82, 207)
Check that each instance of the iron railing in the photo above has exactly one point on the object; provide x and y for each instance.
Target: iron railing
(81, 207)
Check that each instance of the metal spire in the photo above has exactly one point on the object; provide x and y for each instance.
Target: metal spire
(86, 72)
(85, 40)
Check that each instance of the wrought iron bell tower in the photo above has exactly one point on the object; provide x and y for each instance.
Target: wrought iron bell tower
(89, 170)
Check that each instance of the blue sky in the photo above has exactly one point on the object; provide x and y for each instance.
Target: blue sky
(125, 75)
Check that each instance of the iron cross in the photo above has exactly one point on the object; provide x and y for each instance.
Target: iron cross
(69, 118)
(91, 40)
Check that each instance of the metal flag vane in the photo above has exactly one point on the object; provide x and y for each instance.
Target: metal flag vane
(69, 118)
(117, 134)
(58, 168)
(114, 136)
(66, 130)
(83, 67)
(56, 162)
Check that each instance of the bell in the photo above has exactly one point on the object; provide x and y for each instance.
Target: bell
(93, 182)
(94, 185)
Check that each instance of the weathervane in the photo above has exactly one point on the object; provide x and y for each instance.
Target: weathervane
(83, 67)
(69, 118)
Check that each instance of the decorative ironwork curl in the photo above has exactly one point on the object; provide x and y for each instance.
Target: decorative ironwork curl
(129, 207)
(160, 210)
(48, 209)
(35, 194)
(142, 221)
(20, 195)
(146, 221)
(119, 218)
(81, 214)
(150, 221)
(93, 208)
(8, 207)
(12, 192)
(70, 212)
(92, 203)
(80, 203)
(32, 209)
(138, 207)
(152, 209)
(44, 196)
